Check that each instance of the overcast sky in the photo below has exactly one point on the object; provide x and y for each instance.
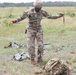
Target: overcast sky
(19, 1)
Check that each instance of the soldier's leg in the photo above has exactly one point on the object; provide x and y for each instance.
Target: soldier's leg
(31, 44)
(39, 37)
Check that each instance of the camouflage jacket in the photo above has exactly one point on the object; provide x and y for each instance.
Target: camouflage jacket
(35, 18)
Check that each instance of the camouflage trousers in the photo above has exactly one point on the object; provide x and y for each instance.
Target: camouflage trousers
(31, 36)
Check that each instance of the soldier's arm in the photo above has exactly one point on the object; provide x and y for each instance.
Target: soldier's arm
(23, 16)
(49, 16)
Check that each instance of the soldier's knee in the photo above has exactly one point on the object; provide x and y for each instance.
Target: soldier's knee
(40, 47)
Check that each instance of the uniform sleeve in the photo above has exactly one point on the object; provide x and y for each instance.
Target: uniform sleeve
(24, 15)
(49, 16)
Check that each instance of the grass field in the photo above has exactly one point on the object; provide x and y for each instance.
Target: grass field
(61, 37)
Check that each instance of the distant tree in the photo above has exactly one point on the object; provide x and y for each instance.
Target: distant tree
(48, 4)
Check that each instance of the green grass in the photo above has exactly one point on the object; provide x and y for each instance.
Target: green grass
(55, 33)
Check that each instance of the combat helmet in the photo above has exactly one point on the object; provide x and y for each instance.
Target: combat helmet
(38, 4)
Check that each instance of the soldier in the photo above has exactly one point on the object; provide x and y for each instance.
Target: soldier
(34, 29)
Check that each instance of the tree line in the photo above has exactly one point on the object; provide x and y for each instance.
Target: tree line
(47, 4)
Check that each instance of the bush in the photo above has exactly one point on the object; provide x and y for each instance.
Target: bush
(5, 22)
(74, 60)
(71, 14)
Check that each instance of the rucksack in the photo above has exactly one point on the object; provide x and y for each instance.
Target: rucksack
(56, 67)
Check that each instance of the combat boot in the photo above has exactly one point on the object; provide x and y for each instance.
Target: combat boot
(39, 60)
(33, 62)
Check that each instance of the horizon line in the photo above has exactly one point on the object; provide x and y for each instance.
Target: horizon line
(43, 1)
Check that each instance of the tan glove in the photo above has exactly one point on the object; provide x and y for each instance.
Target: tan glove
(11, 22)
(61, 15)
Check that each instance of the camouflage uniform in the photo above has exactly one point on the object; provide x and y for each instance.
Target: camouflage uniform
(34, 29)
(57, 67)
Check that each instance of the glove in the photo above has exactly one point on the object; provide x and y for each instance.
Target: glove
(61, 15)
(11, 22)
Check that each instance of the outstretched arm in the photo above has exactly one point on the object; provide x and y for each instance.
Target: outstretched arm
(24, 15)
(45, 14)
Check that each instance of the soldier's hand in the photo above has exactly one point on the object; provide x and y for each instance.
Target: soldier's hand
(61, 15)
(11, 22)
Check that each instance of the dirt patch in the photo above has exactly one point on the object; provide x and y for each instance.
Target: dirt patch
(38, 70)
(0, 24)
(4, 73)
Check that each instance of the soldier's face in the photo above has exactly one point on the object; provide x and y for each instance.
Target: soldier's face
(37, 9)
